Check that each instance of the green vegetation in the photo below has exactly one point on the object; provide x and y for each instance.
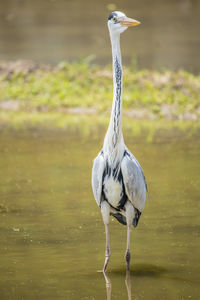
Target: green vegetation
(82, 88)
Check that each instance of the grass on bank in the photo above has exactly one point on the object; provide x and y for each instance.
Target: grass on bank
(28, 87)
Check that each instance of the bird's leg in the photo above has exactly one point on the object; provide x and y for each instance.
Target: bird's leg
(105, 210)
(128, 254)
(129, 220)
(108, 252)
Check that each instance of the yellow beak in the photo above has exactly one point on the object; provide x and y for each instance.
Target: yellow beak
(128, 22)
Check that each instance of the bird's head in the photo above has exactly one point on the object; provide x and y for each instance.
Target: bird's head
(118, 22)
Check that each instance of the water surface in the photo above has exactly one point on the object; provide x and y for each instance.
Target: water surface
(52, 235)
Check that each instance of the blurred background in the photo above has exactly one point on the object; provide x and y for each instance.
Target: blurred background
(55, 30)
(54, 112)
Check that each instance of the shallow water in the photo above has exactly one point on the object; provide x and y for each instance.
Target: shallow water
(52, 235)
(52, 30)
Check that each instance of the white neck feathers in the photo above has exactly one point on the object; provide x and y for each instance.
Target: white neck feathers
(114, 133)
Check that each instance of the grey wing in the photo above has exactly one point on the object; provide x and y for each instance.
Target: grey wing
(97, 175)
(134, 180)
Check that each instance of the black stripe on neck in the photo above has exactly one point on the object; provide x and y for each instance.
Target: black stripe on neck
(118, 80)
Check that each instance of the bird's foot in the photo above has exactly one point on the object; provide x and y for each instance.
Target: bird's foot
(107, 257)
(105, 263)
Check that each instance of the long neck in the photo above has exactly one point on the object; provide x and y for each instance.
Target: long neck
(114, 132)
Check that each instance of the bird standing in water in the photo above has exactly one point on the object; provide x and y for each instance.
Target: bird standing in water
(118, 182)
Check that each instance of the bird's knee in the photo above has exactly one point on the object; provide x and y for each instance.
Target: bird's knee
(128, 256)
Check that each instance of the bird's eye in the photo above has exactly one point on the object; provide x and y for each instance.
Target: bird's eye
(114, 19)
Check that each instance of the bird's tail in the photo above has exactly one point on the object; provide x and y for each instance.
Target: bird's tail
(119, 218)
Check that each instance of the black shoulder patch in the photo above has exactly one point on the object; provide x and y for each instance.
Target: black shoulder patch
(126, 153)
(113, 14)
(107, 170)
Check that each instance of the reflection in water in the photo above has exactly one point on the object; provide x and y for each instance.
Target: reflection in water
(109, 286)
(144, 270)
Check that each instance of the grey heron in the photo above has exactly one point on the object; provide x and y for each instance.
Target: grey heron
(118, 181)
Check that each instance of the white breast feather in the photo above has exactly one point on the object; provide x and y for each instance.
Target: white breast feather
(112, 190)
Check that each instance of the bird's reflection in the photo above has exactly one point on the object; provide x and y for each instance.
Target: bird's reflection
(128, 284)
(109, 286)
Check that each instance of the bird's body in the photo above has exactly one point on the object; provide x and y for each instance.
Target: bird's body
(118, 181)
